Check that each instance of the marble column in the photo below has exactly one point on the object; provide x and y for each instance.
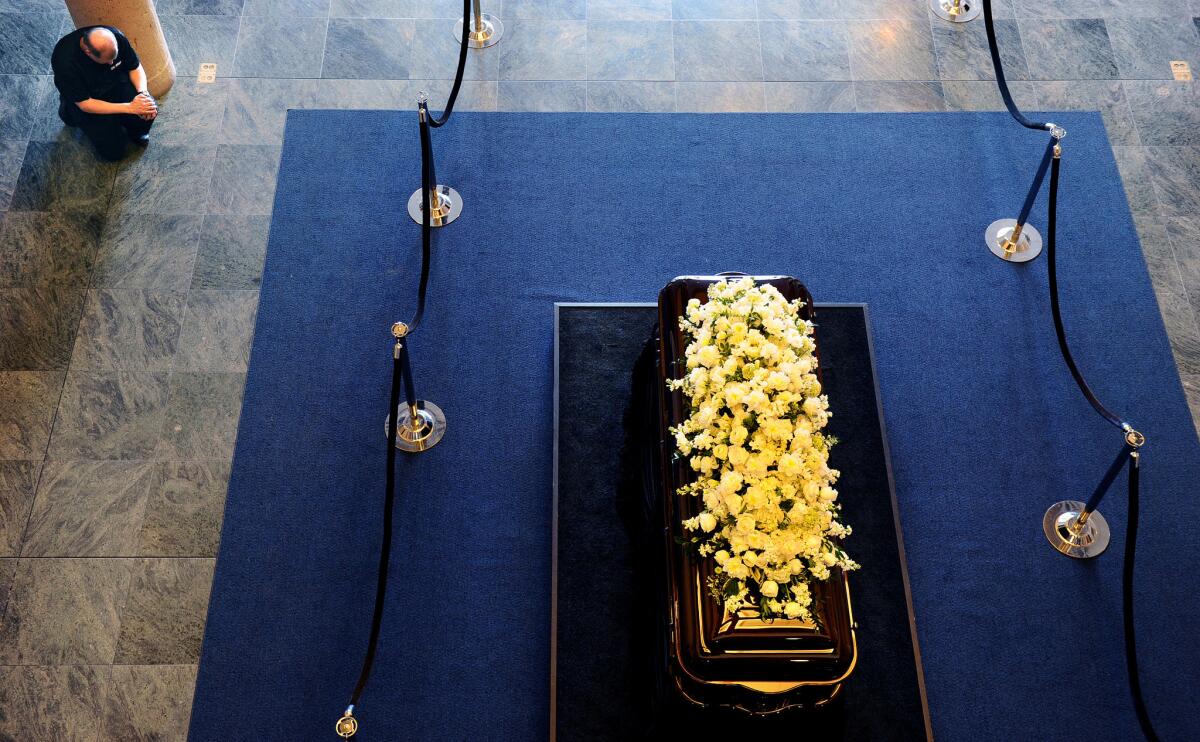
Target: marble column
(138, 20)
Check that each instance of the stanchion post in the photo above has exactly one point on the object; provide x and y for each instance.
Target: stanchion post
(420, 424)
(956, 11)
(445, 204)
(1014, 240)
(485, 31)
(1077, 529)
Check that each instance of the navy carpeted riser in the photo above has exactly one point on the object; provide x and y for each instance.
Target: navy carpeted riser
(985, 426)
(604, 678)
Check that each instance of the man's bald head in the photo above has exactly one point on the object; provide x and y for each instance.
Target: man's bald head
(99, 44)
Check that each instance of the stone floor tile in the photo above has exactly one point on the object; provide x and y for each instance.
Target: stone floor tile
(629, 10)
(1106, 96)
(64, 611)
(1182, 329)
(370, 49)
(163, 619)
(542, 10)
(543, 50)
(43, 248)
(255, 110)
(217, 330)
(794, 10)
(63, 175)
(1166, 112)
(12, 153)
(37, 326)
(148, 251)
(18, 480)
(89, 508)
(185, 509)
(714, 10)
(202, 419)
(287, 8)
(718, 51)
(243, 179)
(148, 703)
(195, 39)
(810, 97)
(799, 51)
(899, 96)
(983, 95)
(27, 403)
(279, 46)
(633, 96)
(8, 568)
(109, 415)
(1078, 48)
(28, 40)
(474, 95)
(20, 95)
(52, 703)
(231, 252)
(166, 179)
(1145, 47)
(364, 94)
(963, 54)
(444, 9)
(1184, 234)
(720, 97)
(381, 8)
(892, 50)
(521, 95)
(191, 113)
(435, 54)
(630, 50)
(199, 7)
(1175, 173)
(1091, 8)
(1158, 252)
(129, 329)
(1135, 176)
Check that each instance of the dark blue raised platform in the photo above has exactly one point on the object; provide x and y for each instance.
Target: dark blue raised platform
(985, 426)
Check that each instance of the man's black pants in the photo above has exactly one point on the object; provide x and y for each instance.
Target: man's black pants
(110, 133)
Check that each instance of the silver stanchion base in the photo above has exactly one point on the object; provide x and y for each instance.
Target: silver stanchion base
(448, 207)
(948, 10)
(999, 237)
(481, 38)
(422, 434)
(1066, 536)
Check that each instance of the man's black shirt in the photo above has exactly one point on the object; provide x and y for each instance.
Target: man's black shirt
(78, 78)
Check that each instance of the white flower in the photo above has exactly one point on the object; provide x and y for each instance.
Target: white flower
(754, 439)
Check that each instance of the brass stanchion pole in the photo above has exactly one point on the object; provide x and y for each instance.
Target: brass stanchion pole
(486, 29)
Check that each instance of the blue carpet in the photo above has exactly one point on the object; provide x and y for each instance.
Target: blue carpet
(985, 426)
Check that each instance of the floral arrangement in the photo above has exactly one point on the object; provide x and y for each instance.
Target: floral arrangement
(770, 517)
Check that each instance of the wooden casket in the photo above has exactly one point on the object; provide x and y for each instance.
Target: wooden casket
(708, 657)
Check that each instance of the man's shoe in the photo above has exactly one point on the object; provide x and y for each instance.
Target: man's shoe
(140, 140)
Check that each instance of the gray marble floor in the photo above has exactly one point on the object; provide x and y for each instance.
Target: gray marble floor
(128, 292)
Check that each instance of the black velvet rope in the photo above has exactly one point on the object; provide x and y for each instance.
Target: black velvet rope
(1128, 454)
(399, 366)
(999, 68)
(462, 66)
(401, 371)
(1131, 661)
(1055, 310)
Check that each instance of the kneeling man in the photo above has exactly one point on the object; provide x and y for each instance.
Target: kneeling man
(102, 89)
